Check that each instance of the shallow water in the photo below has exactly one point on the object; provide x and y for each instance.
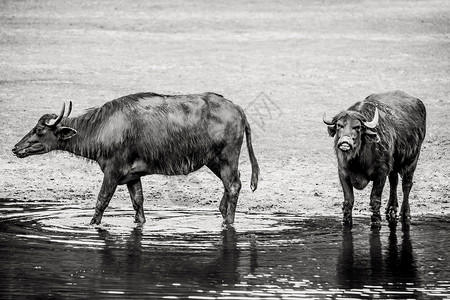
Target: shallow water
(47, 249)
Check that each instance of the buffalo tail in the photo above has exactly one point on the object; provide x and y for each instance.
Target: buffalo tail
(251, 154)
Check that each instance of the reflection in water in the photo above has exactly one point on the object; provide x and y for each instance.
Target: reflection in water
(393, 268)
(346, 271)
(225, 268)
(376, 258)
(47, 251)
(154, 267)
(402, 265)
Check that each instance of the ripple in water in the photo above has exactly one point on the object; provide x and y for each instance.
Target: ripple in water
(48, 249)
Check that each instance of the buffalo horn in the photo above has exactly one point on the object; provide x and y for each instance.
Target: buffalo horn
(70, 109)
(327, 120)
(59, 118)
(372, 124)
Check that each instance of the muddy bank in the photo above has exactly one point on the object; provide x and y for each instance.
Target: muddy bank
(305, 57)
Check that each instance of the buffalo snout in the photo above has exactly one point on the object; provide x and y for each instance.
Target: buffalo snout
(345, 143)
(20, 152)
(17, 152)
(25, 148)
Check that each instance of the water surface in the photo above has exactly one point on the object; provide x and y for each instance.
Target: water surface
(47, 249)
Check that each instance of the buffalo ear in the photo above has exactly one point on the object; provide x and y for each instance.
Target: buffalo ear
(371, 136)
(65, 133)
(331, 130)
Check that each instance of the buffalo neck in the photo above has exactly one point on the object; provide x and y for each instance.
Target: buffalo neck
(358, 160)
(83, 143)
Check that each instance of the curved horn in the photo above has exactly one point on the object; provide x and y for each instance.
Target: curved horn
(58, 119)
(372, 124)
(327, 120)
(69, 110)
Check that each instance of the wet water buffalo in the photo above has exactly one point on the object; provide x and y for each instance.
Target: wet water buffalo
(148, 133)
(375, 139)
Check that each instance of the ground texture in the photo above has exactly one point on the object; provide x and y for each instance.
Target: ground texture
(285, 62)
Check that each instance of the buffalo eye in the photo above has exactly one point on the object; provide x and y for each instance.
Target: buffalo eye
(39, 131)
(357, 128)
(339, 126)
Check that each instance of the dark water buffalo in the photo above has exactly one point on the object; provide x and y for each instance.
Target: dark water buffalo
(147, 133)
(377, 138)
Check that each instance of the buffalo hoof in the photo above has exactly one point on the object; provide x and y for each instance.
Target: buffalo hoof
(347, 223)
(392, 224)
(95, 221)
(226, 226)
(375, 225)
(375, 222)
(391, 217)
(406, 219)
(229, 220)
(391, 214)
(139, 219)
(406, 227)
(347, 219)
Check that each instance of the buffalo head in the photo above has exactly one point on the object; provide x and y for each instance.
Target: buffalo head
(45, 136)
(350, 128)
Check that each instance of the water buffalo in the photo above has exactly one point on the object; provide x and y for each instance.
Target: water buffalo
(377, 138)
(147, 133)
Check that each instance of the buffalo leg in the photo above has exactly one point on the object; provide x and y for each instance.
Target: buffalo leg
(229, 174)
(223, 206)
(392, 206)
(215, 168)
(407, 182)
(406, 187)
(349, 199)
(137, 198)
(106, 192)
(232, 184)
(375, 201)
